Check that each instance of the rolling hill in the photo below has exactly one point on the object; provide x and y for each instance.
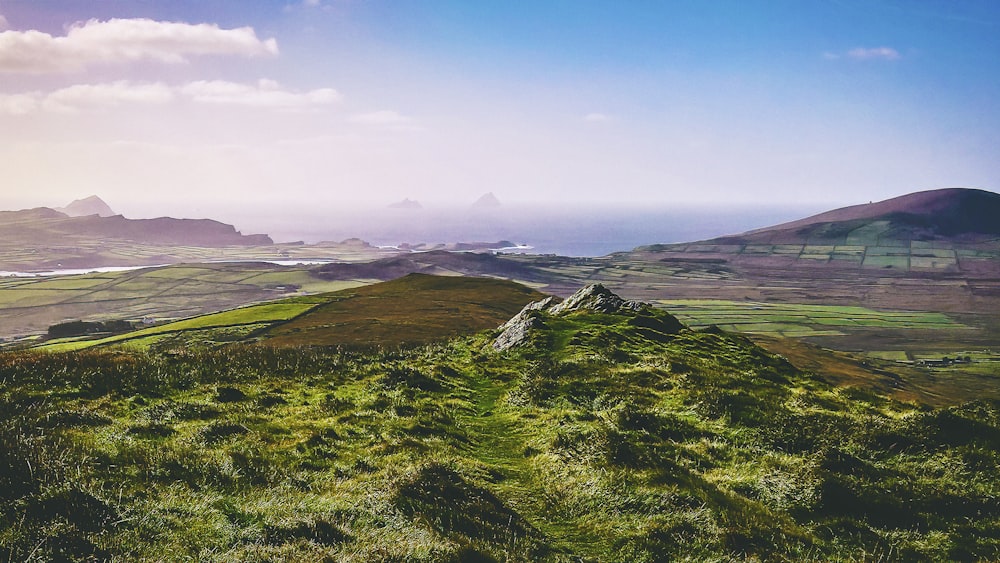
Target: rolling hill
(953, 214)
(610, 432)
(413, 309)
(928, 251)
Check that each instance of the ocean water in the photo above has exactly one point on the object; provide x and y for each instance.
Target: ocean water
(577, 231)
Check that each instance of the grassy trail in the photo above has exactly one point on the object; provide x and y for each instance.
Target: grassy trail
(500, 438)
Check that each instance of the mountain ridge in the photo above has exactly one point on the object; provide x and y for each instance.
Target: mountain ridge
(44, 225)
(964, 213)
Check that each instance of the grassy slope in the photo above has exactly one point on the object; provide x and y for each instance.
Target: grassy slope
(417, 308)
(601, 441)
(413, 309)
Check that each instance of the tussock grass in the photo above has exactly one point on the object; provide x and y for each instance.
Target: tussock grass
(599, 441)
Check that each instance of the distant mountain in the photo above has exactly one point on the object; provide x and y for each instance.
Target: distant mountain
(92, 205)
(953, 213)
(43, 224)
(935, 250)
(407, 203)
(486, 201)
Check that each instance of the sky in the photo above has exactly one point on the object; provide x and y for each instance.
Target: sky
(189, 107)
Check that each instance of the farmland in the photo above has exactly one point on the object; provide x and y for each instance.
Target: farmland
(797, 320)
(31, 305)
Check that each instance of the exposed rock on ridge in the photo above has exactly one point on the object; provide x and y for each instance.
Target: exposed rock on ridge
(596, 298)
(516, 331)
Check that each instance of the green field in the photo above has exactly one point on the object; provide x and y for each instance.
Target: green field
(31, 305)
(254, 314)
(797, 320)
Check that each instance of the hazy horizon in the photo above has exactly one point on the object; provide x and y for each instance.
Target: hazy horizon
(188, 105)
(570, 229)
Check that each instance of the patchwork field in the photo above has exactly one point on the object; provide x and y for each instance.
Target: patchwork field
(797, 320)
(31, 305)
(411, 310)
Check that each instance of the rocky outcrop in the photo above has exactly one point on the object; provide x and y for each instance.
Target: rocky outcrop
(596, 298)
(517, 330)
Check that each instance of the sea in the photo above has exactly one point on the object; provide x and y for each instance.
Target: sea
(583, 231)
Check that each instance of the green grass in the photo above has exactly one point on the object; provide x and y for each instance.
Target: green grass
(790, 319)
(602, 439)
(255, 314)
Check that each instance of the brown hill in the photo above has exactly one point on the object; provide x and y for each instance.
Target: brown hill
(962, 213)
(413, 309)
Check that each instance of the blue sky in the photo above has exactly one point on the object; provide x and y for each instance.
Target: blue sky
(190, 105)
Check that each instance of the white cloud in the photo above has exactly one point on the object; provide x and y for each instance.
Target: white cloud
(85, 96)
(383, 117)
(596, 117)
(3, 23)
(124, 40)
(874, 53)
(310, 3)
(18, 104)
(265, 94)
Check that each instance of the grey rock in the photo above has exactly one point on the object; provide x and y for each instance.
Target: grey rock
(598, 298)
(517, 330)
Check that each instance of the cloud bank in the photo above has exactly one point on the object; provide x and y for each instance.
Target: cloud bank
(124, 40)
(266, 94)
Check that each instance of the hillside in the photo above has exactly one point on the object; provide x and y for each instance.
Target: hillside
(928, 251)
(416, 308)
(610, 432)
(42, 238)
(47, 226)
(413, 309)
(951, 212)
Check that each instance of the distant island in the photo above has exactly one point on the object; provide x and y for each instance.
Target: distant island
(92, 205)
(486, 201)
(407, 203)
